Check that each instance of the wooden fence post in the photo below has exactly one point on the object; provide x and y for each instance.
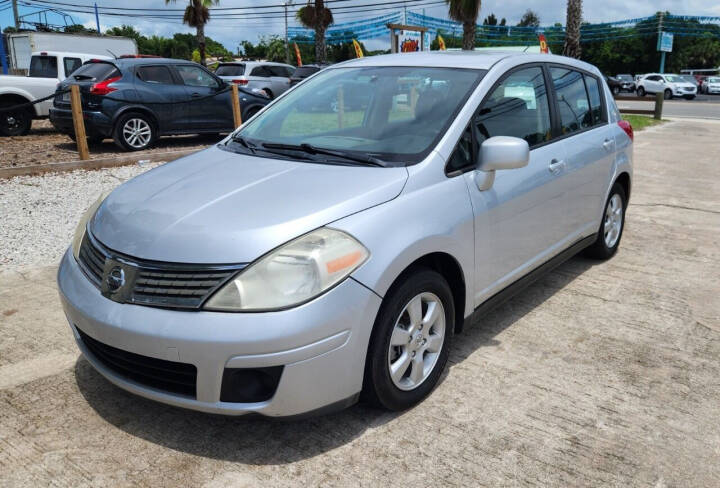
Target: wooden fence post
(237, 115)
(78, 122)
(659, 99)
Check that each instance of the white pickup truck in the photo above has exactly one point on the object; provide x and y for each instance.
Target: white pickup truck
(47, 69)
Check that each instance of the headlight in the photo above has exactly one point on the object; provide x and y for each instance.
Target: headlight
(82, 225)
(292, 274)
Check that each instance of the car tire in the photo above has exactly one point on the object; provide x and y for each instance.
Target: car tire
(612, 225)
(134, 131)
(667, 94)
(250, 113)
(641, 91)
(406, 329)
(616, 90)
(16, 123)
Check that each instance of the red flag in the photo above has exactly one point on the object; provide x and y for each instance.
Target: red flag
(543, 44)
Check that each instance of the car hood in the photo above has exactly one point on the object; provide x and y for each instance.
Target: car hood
(220, 207)
(682, 84)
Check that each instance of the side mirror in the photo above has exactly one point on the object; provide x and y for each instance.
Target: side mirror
(497, 153)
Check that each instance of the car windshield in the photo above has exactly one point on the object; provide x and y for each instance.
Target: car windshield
(624, 77)
(230, 70)
(674, 78)
(714, 79)
(396, 114)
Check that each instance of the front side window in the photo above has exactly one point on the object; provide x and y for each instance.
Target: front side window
(71, 64)
(155, 74)
(194, 76)
(573, 103)
(394, 113)
(462, 156)
(518, 107)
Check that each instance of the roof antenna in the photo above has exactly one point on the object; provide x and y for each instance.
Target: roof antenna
(524, 50)
(113, 54)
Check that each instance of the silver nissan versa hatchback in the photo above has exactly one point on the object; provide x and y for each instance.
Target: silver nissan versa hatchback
(322, 253)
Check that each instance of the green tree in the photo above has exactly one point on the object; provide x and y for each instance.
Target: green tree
(465, 12)
(317, 17)
(529, 19)
(572, 48)
(197, 14)
(490, 20)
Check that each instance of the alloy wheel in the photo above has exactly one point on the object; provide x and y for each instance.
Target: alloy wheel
(416, 341)
(613, 220)
(137, 133)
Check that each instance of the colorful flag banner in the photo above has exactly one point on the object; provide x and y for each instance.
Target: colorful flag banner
(441, 43)
(297, 55)
(358, 49)
(543, 43)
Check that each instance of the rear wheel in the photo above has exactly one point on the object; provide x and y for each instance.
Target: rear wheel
(667, 95)
(15, 123)
(134, 132)
(615, 90)
(411, 341)
(612, 226)
(641, 91)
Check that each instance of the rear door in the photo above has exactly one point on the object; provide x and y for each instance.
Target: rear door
(157, 87)
(208, 110)
(589, 146)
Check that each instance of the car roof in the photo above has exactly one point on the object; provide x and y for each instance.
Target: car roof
(463, 59)
(128, 62)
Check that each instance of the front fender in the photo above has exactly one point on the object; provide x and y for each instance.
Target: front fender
(19, 92)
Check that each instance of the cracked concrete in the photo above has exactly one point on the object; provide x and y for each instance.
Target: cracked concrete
(598, 375)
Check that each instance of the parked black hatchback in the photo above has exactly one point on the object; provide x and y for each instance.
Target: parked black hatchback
(136, 100)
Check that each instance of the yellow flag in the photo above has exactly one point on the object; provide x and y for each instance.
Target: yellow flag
(358, 49)
(441, 42)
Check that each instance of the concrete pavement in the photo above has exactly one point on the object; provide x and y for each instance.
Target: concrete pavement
(599, 374)
(679, 108)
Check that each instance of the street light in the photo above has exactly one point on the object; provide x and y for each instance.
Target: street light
(286, 4)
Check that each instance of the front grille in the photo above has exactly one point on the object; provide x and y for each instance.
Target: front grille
(153, 283)
(163, 375)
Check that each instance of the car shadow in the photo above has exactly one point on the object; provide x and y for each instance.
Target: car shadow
(261, 441)
(166, 143)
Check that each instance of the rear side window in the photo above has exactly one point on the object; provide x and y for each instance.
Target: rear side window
(305, 71)
(593, 89)
(96, 72)
(155, 74)
(260, 71)
(518, 107)
(43, 67)
(230, 70)
(573, 103)
(71, 64)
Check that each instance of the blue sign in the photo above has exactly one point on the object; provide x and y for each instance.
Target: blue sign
(665, 42)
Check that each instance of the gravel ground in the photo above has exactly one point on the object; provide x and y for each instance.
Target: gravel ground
(44, 145)
(39, 213)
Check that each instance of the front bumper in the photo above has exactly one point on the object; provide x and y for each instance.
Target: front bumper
(684, 92)
(713, 89)
(96, 123)
(321, 344)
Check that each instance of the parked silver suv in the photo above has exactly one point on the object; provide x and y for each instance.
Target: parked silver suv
(271, 78)
(320, 254)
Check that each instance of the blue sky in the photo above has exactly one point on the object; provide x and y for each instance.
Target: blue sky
(230, 33)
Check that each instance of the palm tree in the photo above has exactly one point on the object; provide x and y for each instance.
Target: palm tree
(572, 29)
(316, 16)
(466, 12)
(197, 14)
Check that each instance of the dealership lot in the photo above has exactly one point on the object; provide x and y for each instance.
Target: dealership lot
(599, 374)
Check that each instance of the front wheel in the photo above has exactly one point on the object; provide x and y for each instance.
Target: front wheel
(134, 132)
(411, 341)
(616, 90)
(641, 91)
(611, 229)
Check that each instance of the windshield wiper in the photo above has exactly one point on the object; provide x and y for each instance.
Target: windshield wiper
(243, 142)
(310, 149)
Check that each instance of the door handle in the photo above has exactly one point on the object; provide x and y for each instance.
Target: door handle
(608, 144)
(556, 165)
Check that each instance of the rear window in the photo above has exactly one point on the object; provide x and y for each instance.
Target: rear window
(43, 67)
(305, 71)
(96, 71)
(230, 70)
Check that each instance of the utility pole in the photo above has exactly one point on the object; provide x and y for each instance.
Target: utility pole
(287, 4)
(97, 19)
(15, 14)
(662, 53)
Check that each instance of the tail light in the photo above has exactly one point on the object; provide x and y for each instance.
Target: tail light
(625, 125)
(240, 82)
(103, 88)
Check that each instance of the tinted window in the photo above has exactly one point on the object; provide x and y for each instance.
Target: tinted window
(462, 156)
(195, 76)
(593, 88)
(261, 71)
(96, 72)
(305, 71)
(71, 64)
(518, 107)
(572, 100)
(43, 67)
(230, 70)
(155, 74)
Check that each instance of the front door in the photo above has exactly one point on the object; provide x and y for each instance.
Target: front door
(207, 110)
(521, 220)
(156, 84)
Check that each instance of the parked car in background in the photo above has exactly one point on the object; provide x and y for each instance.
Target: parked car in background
(302, 72)
(47, 68)
(271, 78)
(668, 84)
(691, 79)
(712, 85)
(626, 83)
(136, 100)
(311, 259)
